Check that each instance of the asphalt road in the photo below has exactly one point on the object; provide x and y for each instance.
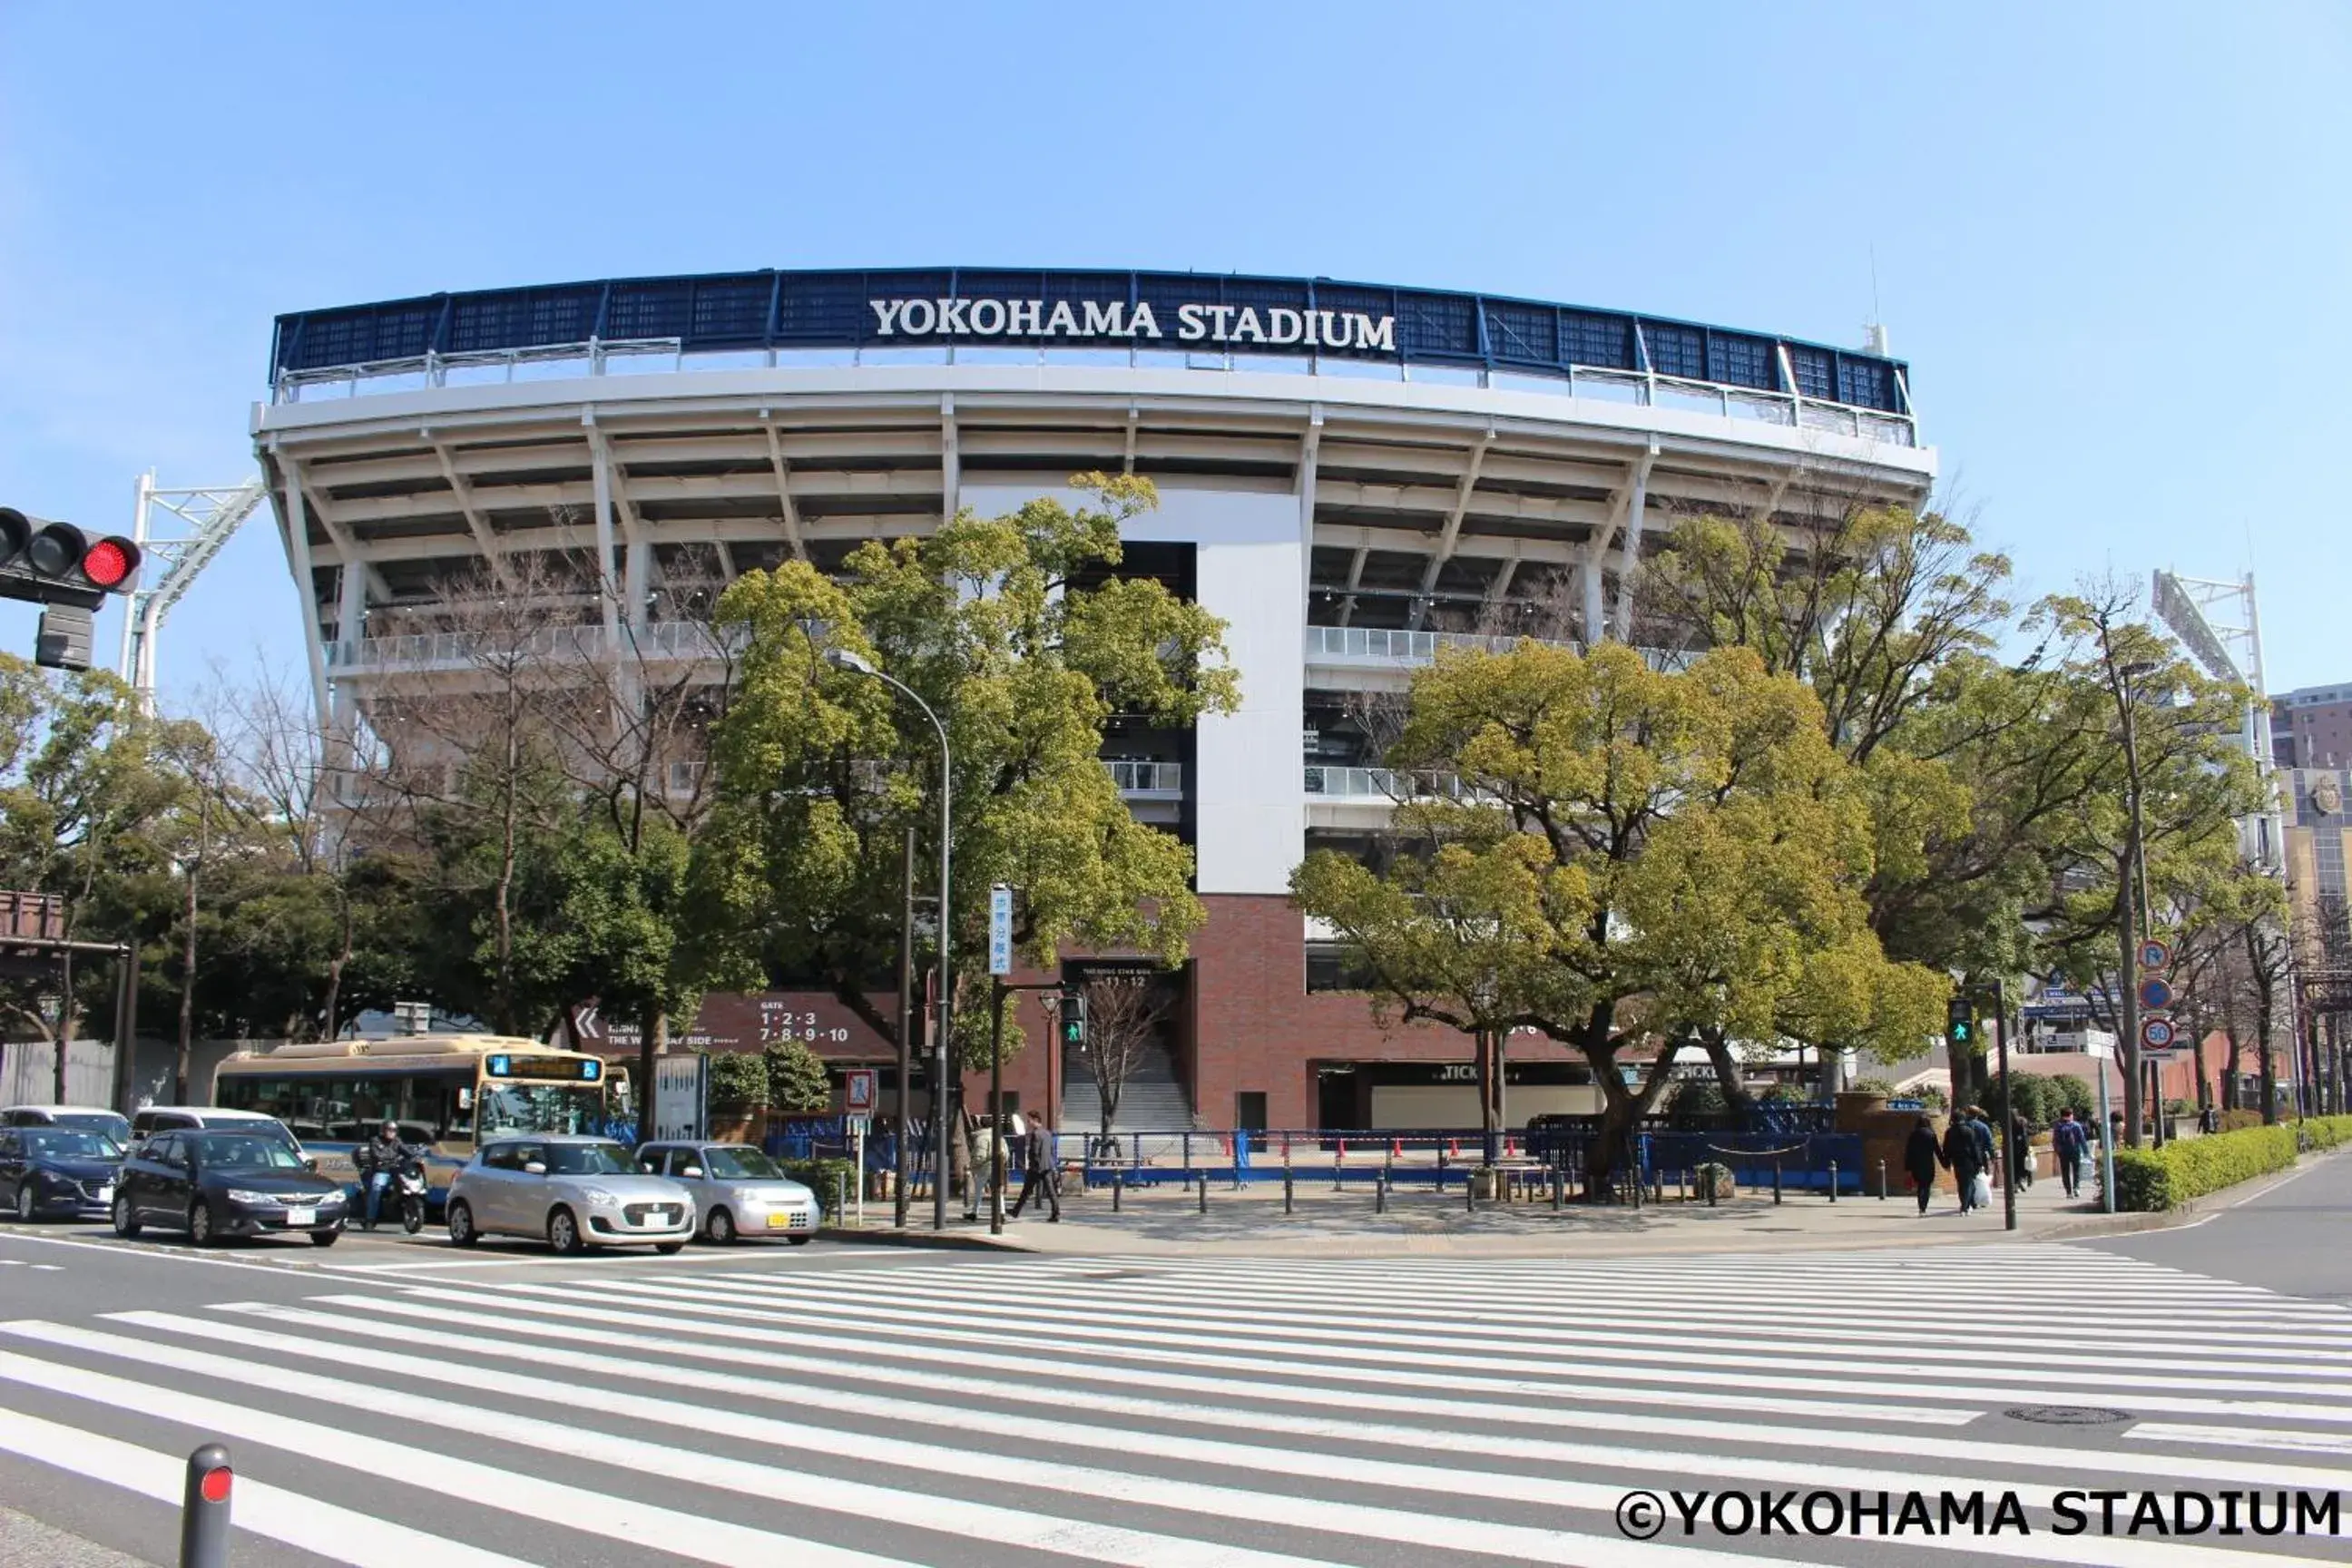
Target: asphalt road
(395, 1402)
(2294, 1238)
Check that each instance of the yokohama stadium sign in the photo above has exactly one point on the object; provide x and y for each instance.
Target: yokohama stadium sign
(965, 319)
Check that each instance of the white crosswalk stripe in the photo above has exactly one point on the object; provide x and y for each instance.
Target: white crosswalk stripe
(1209, 1412)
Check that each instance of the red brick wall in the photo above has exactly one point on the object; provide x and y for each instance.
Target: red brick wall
(1255, 1027)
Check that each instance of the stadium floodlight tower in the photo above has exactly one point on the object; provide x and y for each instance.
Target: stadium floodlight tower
(205, 517)
(2218, 625)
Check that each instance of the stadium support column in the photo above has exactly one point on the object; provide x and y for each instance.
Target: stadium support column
(1628, 568)
(951, 463)
(1308, 447)
(294, 525)
(607, 594)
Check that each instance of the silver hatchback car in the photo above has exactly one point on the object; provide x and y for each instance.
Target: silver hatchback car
(738, 1190)
(576, 1192)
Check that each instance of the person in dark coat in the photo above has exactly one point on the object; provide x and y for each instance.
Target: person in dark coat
(1921, 1157)
(2069, 1142)
(1965, 1154)
(1039, 1175)
(2021, 1151)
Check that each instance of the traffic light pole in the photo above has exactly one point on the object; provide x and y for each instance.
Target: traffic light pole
(2008, 1113)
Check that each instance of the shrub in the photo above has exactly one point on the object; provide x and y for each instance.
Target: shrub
(2239, 1120)
(829, 1178)
(1873, 1086)
(2179, 1107)
(737, 1080)
(1784, 1094)
(1713, 1180)
(2327, 1131)
(2150, 1180)
(1934, 1099)
(795, 1080)
(2064, 1092)
(1699, 1103)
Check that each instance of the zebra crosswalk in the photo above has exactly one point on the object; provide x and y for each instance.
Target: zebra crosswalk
(1228, 1413)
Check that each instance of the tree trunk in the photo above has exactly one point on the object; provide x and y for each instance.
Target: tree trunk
(653, 1034)
(330, 1023)
(65, 1021)
(184, 1057)
(1727, 1074)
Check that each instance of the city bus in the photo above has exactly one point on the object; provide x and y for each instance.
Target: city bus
(446, 1093)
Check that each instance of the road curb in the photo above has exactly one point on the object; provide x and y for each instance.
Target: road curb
(934, 1240)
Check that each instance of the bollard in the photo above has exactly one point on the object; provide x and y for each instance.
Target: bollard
(1833, 1181)
(1117, 1185)
(1713, 1182)
(1381, 1193)
(1338, 1157)
(1775, 1178)
(204, 1509)
(1681, 1184)
(1470, 1189)
(840, 1198)
(1882, 1181)
(1558, 1184)
(1203, 1190)
(1285, 1191)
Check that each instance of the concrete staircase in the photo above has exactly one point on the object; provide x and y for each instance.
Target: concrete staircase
(1151, 1100)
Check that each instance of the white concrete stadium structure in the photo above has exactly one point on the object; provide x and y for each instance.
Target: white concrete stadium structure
(1340, 514)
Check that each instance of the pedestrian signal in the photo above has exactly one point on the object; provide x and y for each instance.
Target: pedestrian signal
(1074, 1018)
(1960, 1022)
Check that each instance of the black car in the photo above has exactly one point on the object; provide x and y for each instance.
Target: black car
(52, 1172)
(212, 1185)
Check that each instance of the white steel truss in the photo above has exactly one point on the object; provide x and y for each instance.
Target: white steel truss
(200, 520)
(2222, 630)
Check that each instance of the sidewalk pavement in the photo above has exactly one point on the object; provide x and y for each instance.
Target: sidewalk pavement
(1249, 1221)
(25, 1540)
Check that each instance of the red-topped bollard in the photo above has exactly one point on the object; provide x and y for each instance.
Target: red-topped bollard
(204, 1509)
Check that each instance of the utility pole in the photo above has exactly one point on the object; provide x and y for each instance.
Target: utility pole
(906, 1025)
(2007, 1111)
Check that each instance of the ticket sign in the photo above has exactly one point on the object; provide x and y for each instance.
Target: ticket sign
(2158, 1034)
(2155, 992)
(2155, 954)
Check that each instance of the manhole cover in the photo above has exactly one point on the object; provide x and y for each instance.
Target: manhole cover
(2068, 1414)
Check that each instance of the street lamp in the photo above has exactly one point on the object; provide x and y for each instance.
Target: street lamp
(2130, 900)
(857, 664)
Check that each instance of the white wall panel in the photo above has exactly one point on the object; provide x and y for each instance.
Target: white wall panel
(1248, 783)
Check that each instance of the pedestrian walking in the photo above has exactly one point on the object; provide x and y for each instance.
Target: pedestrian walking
(976, 1137)
(1922, 1158)
(2069, 1142)
(2021, 1151)
(1038, 1175)
(1965, 1156)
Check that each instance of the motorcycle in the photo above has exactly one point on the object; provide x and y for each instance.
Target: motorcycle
(408, 1184)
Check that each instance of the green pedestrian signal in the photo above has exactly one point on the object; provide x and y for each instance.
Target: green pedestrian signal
(1960, 1022)
(1074, 1018)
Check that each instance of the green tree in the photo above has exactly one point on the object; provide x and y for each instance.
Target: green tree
(1020, 636)
(86, 793)
(1628, 856)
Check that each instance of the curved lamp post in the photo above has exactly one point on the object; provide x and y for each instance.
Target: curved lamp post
(842, 659)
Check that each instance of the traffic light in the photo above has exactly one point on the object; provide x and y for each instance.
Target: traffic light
(1074, 1018)
(1960, 1022)
(57, 566)
(56, 563)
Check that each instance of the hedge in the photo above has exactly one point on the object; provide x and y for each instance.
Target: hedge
(2152, 1179)
(825, 1177)
(2327, 1131)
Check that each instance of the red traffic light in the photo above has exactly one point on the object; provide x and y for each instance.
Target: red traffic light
(110, 562)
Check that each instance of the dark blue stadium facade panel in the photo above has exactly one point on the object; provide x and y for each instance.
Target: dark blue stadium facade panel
(982, 307)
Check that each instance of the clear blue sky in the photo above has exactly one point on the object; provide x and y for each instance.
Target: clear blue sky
(2111, 239)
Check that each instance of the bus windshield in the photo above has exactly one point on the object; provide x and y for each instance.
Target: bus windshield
(536, 1108)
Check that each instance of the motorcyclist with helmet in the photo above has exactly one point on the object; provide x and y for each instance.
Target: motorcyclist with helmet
(379, 1161)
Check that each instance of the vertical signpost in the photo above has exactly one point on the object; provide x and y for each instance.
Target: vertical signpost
(2158, 1034)
(999, 964)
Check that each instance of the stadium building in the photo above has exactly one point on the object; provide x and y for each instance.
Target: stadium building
(1351, 475)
